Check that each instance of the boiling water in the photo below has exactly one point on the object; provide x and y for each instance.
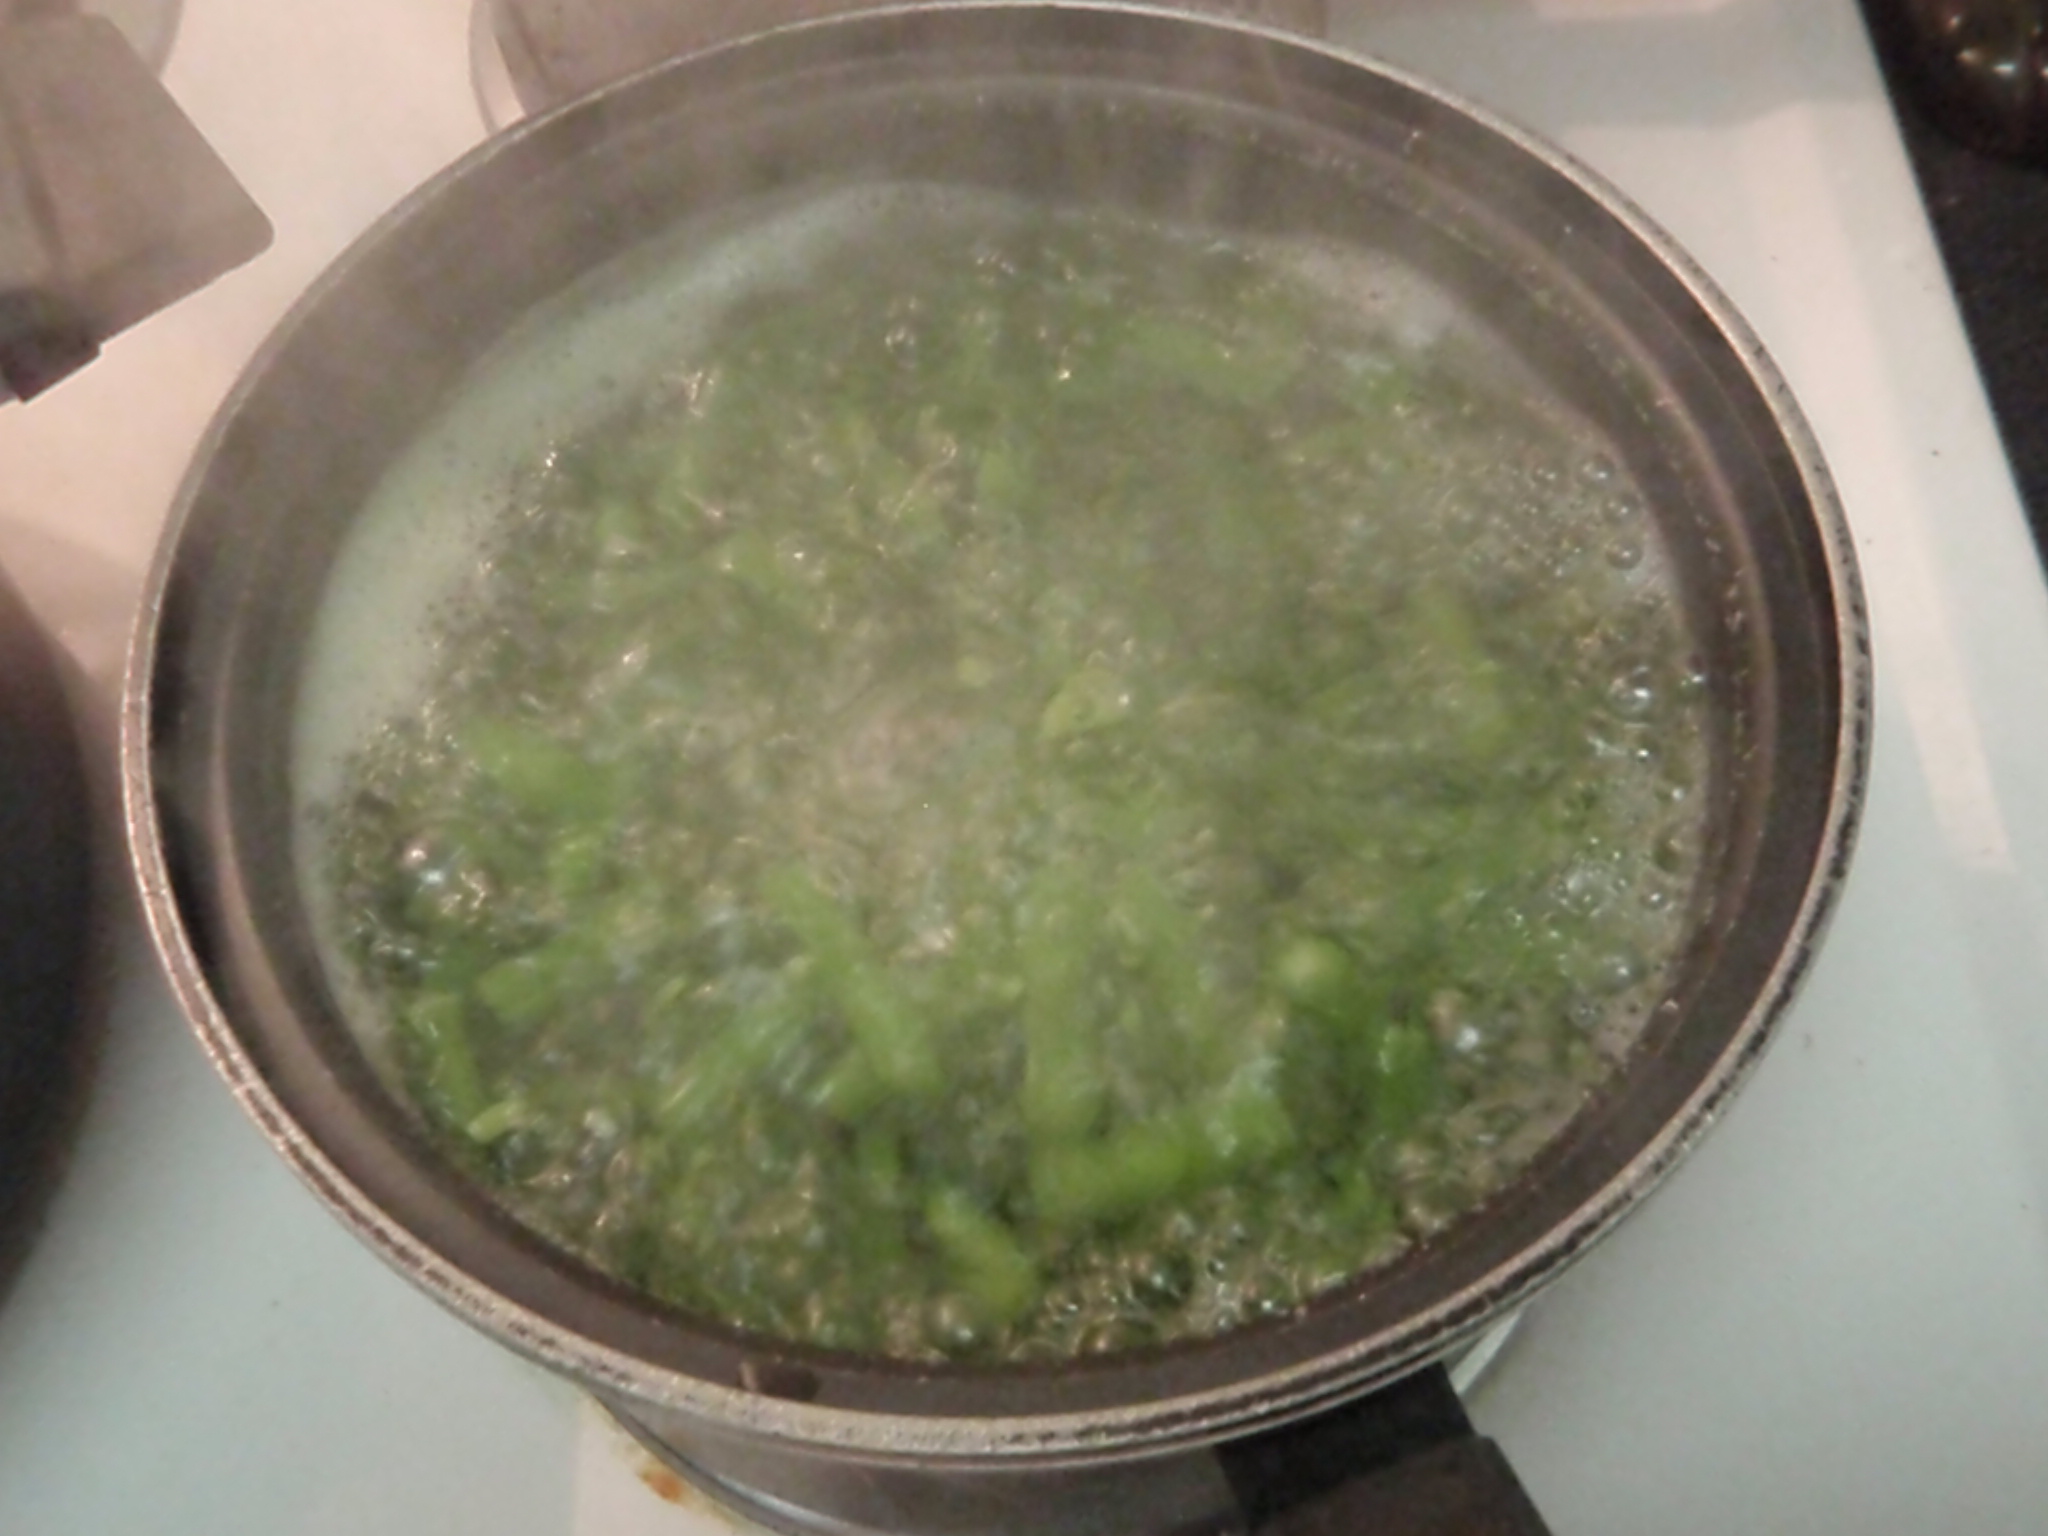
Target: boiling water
(734, 1106)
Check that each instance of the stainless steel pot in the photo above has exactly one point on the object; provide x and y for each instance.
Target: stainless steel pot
(1190, 119)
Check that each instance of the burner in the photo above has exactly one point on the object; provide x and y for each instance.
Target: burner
(711, 1506)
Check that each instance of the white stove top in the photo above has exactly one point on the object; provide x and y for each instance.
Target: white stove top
(1834, 1318)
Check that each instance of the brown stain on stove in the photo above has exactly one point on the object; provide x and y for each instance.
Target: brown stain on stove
(671, 1487)
(663, 1482)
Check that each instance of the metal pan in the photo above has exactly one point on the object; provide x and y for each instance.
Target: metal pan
(1191, 120)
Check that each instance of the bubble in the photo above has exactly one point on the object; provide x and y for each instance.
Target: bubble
(1586, 887)
(1617, 972)
(1624, 508)
(1565, 560)
(1625, 554)
(901, 340)
(1634, 694)
(1162, 1278)
(951, 1324)
(1596, 470)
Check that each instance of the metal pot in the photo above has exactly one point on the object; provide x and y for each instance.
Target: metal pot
(1137, 107)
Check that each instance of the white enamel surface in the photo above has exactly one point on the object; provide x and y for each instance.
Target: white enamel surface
(1834, 1318)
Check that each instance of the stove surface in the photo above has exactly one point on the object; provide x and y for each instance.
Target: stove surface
(1830, 1319)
